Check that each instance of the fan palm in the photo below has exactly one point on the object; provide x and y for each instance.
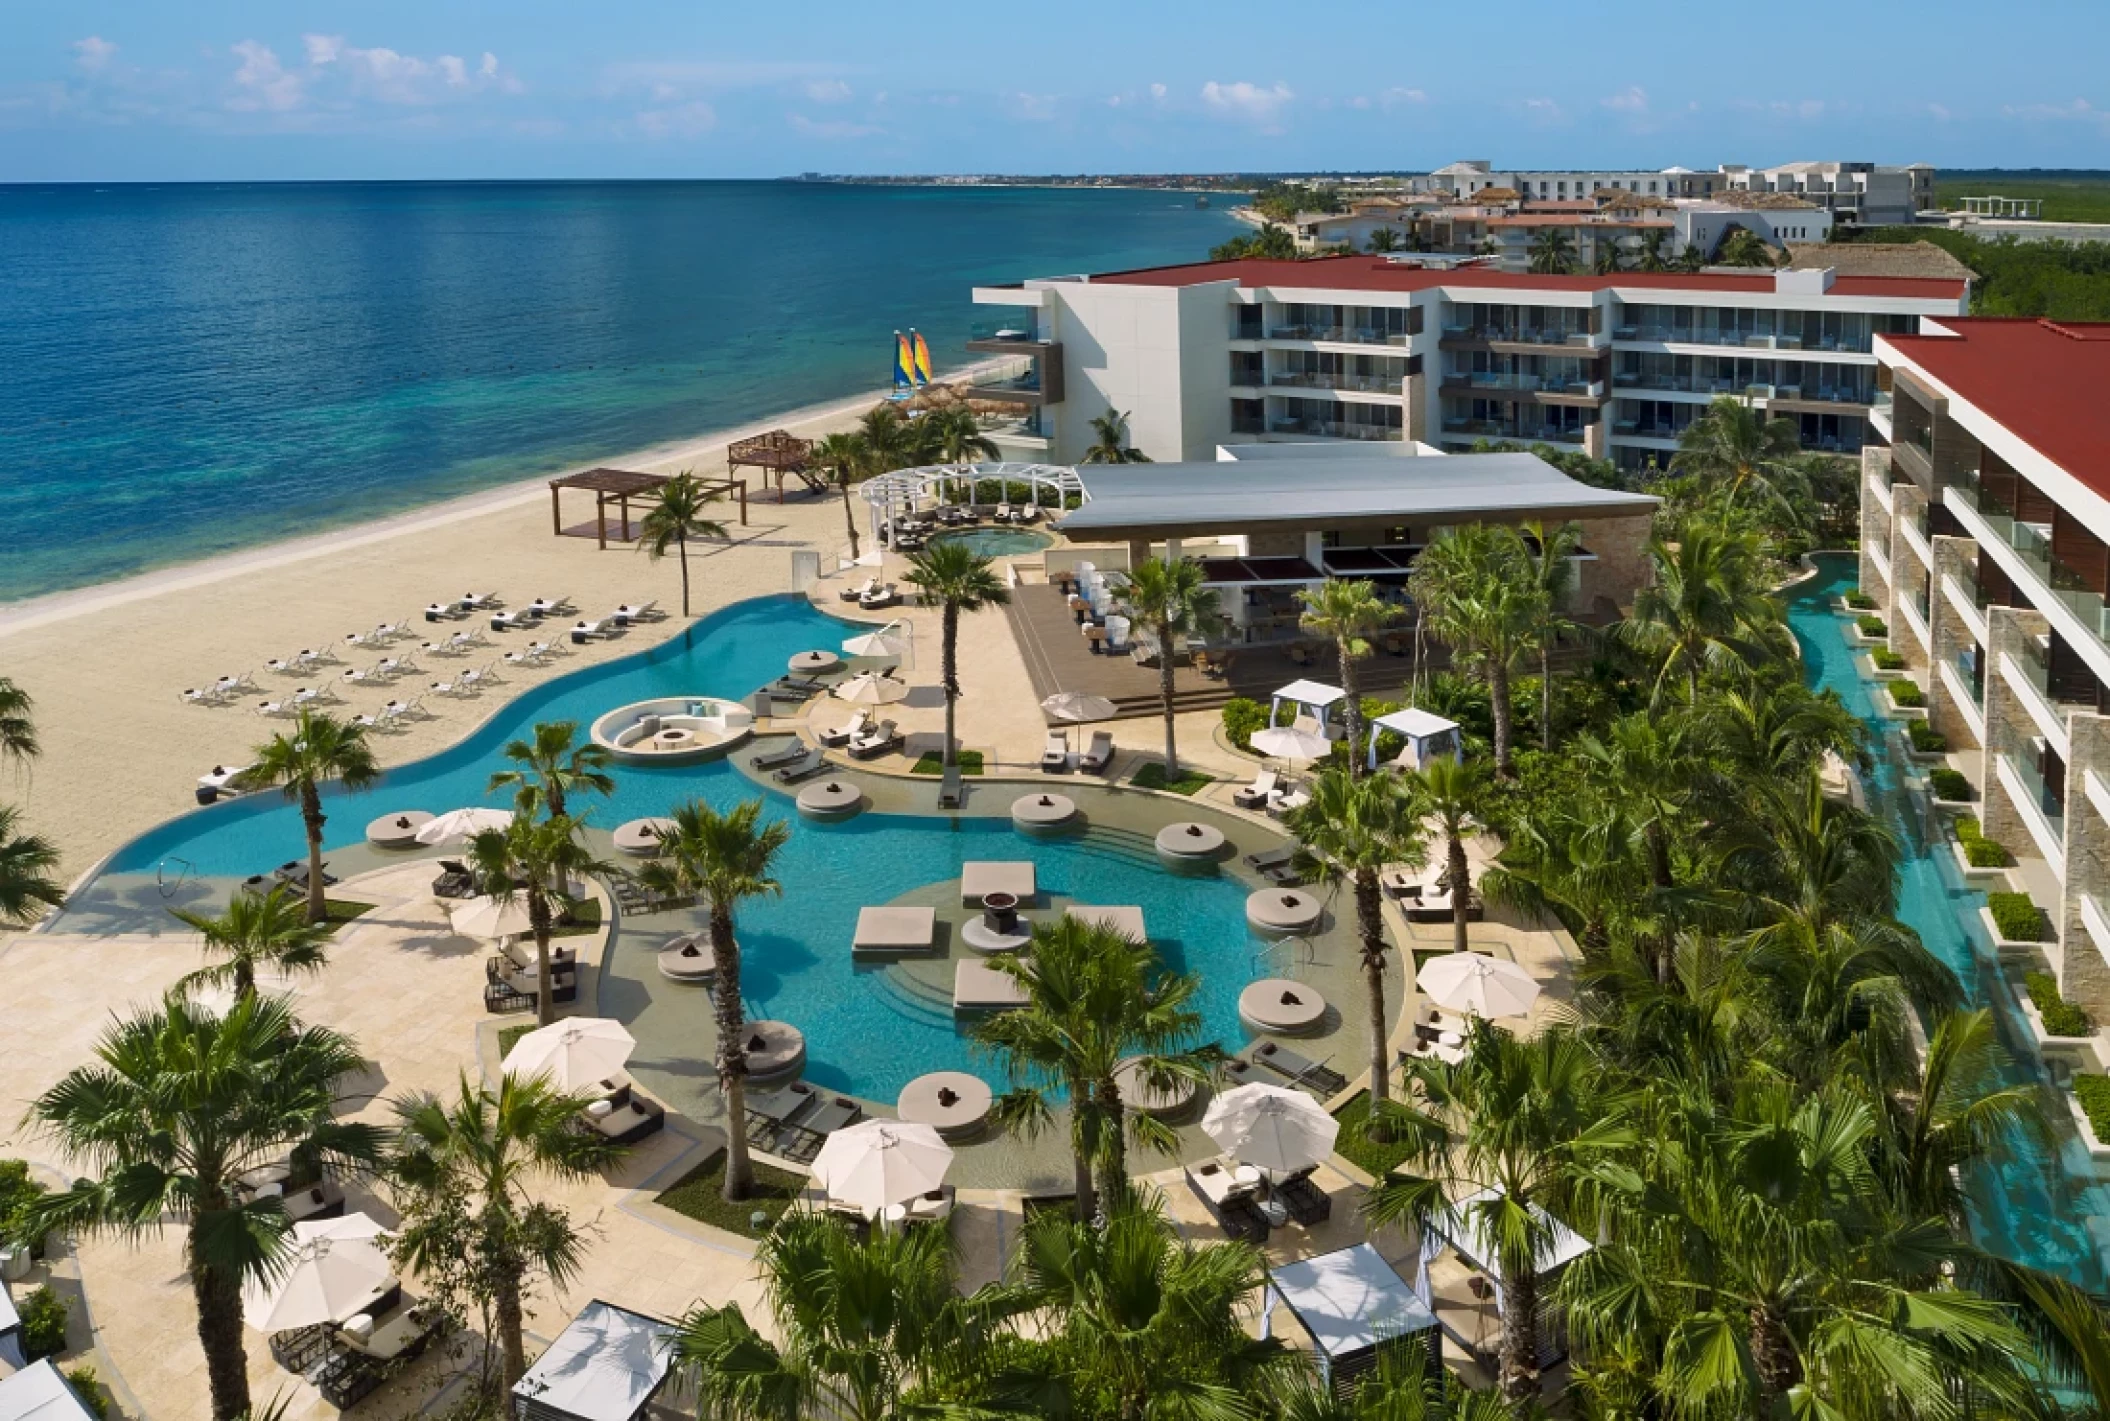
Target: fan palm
(1385, 239)
(845, 457)
(27, 861)
(1094, 999)
(1734, 447)
(956, 436)
(1552, 252)
(1647, 764)
(1350, 612)
(1703, 606)
(889, 442)
(1357, 827)
(177, 1105)
(320, 749)
(18, 729)
(1744, 247)
(269, 930)
(676, 518)
(536, 860)
(552, 766)
(476, 1154)
(1652, 250)
(960, 580)
(1479, 598)
(1170, 598)
(1110, 440)
(1454, 793)
(1573, 857)
(1549, 554)
(723, 858)
(1960, 1116)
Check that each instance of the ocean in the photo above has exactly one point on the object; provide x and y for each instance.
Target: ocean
(192, 369)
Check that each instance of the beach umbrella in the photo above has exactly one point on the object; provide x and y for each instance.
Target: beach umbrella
(1076, 706)
(871, 690)
(579, 1052)
(1288, 742)
(1271, 1127)
(491, 918)
(881, 1162)
(879, 643)
(1473, 982)
(332, 1268)
(461, 823)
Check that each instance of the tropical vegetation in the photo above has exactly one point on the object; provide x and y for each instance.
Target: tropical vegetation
(320, 750)
(681, 514)
(534, 862)
(958, 579)
(1171, 599)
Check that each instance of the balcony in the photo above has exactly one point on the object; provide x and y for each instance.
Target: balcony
(1004, 333)
(1881, 493)
(1965, 601)
(1341, 335)
(1036, 380)
(2053, 587)
(2042, 811)
(1336, 429)
(1737, 338)
(1538, 337)
(1519, 431)
(2025, 675)
(1332, 380)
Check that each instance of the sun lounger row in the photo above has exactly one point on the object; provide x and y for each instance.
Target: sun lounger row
(871, 594)
(1277, 865)
(1270, 792)
(1096, 759)
(1271, 1060)
(793, 1121)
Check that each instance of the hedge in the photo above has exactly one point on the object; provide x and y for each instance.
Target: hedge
(1948, 783)
(1979, 851)
(1886, 660)
(1860, 601)
(1907, 694)
(89, 1388)
(17, 1192)
(1242, 717)
(1926, 739)
(2018, 918)
(43, 1324)
(2061, 1017)
(2093, 1092)
(1872, 626)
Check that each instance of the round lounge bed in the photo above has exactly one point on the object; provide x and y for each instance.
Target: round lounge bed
(954, 1103)
(830, 799)
(688, 959)
(1189, 842)
(1281, 1006)
(1283, 910)
(397, 831)
(776, 1051)
(642, 838)
(1137, 1094)
(1042, 811)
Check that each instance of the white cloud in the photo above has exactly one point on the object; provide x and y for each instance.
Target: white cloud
(262, 83)
(689, 120)
(1632, 99)
(686, 75)
(1034, 108)
(1395, 97)
(1939, 112)
(833, 128)
(1249, 102)
(390, 77)
(2080, 110)
(828, 91)
(1157, 91)
(93, 53)
(1545, 110)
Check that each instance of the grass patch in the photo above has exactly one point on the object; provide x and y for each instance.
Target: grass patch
(1871, 626)
(508, 1035)
(1925, 738)
(1860, 601)
(932, 763)
(583, 920)
(1370, 1155)
(2061, 1017)
(339, 911)
(699, 1195)
(1884, 659)
(1152, 776)
(1905, 695)
(2093, 1092)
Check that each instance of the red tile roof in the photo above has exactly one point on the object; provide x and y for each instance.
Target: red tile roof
(2042, 380)
(1363, 273)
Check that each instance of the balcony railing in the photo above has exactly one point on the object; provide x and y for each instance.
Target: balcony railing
(1337, 429)
(1329, 380)
(2031, 544)
(1348, 335)
(1520, 335)
(1010, 328)
(1970, 673)
(1737, 338)
(1520, 432)
(2020, 763)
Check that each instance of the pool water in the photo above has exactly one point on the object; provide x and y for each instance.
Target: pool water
(868, 1033)
(2043, 1205)
(999, 542)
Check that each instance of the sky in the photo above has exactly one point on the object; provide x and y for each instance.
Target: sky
(224, 90)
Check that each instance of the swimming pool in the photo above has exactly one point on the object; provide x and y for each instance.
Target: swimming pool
(999, 542)
(2038, 1205)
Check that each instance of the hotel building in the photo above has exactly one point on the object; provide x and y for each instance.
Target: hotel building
(1366, 348)
(1985, 537)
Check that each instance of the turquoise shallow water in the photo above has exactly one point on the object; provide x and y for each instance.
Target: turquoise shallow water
(2045, 1208)
(196, 368)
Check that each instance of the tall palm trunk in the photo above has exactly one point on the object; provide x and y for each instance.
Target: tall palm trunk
(1520, 1338)
(218, 1295)
(1370, 922)
(849, 517)
(1498, 695)
(732, 1053)
(311, 819)
(512, 1348)
(1545, 697)
(1772, 1357)
(1172, 752)
(1081, 1151)
(682, 544)
(1113, 1143)
(539, 923)
(951, 673)
(1461, 877)
(1353, 700)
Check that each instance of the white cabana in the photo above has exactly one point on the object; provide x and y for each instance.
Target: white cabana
(1315, 696)
(1462, 1230)
(39, 1393)
(1428, 735)
(1356, 1307)
(606, 1365)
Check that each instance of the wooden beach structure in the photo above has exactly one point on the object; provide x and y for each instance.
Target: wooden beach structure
(622, 487)
(779, 454)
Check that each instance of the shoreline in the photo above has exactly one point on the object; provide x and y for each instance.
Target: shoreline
(47, 608)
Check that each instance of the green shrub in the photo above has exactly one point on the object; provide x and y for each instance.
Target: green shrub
(1949, 784)
(1906, 694)
(1987, 853)
(1872, 626)
(2093, 1092)
(1925, 738)
(1243, 717)
(89, 1388)
(1886, 660)
(2017, 918)
(2061, 1017)
(43, 1324)
(1860, 601)
(17, 1192)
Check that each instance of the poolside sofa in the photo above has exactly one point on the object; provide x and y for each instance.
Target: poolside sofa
(894, 930)
(1307, 1203)
(978, 987)
(1232, 1193)
(981, 877)
(1277, 865)
(1054, 753)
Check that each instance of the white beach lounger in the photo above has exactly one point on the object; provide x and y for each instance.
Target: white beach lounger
(582, 632)
(1257, 794)
(396, 665)
(361, 641)
(543, 651)
(478, 677)
(1055, 753)
(452, 688)
(404, 710)
(477, 601)
(860, 591)
(643, 612)
(506, 621)
(240, 681)
(394, 631)
(858, 726)
(550, 606)
(293, 665)
(442, 612)
(371, 676)
(522, 658)
(201, 696)
(274, 710)
(1100, 756)
(469, 637)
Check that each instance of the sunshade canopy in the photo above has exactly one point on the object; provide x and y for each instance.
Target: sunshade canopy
(461, 823)
(1271, 1127)
(605, 1366)
(1350, 1300)
(575, 1053)
(881, 1162)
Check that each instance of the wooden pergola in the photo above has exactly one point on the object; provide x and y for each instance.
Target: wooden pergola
(776, 453)
(620, 486)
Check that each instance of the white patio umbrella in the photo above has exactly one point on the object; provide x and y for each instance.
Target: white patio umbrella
(491, 918)
(1077, 706)
(876, 644)
(461, 823)
(1270, 1127)
(881, 1162)
(871, 690)
(1287, 742)
(1473, 982)
(333, 1268)
(574, 1054)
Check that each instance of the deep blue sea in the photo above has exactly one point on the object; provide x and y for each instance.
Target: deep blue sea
(190, 369)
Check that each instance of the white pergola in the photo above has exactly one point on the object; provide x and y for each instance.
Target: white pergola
(903, 491)
(1315, 696)
(1428, 736)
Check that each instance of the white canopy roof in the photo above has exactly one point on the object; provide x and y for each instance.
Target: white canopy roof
(1350, 1300)
(1316, 694)
(1461, 1230)
(604, 1366)
(39, 1393)
(1415, 723)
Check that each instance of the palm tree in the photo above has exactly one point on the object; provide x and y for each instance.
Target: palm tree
(845, 457)
(177, 1105)
(1652, 250)
(1350, 612)
(18, 731)
(1959, 1117)
(256, 930)
(1094, 999)
(1454, 794)
(960, 580)
(1357, 827)
(1607, 258)
(956, 436)
(475, 1155)
(1549, 554)
(1573, 857)
(676, 518)
(535, 859)
(723, 859)
(1385, 239)
(553, 764)
(1733, 446)
(27, 862)
(1744, 247)
(1647, 764)
(1170, 598)
(1691, 258)
(1704, 606)
(1519, 1119)
(1552, 252)
(889, 442)
(1479, 598)
(320, 749)
(1110, 441)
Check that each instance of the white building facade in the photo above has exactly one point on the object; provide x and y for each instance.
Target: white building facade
(1856, 193)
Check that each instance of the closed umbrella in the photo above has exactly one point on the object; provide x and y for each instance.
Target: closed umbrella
(574, 1054)
(1288, 742)
(331, 1271)
(871, 690)
(881, 1162)
(1475, 983)
(1271, 1128)
(876, 644)
(491, 918)
(461, 823)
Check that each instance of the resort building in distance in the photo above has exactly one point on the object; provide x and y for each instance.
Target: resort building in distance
(1375, 349)
(1985, 539)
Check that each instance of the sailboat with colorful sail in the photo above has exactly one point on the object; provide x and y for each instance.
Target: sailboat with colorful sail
(904, 368)
(922, 356)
